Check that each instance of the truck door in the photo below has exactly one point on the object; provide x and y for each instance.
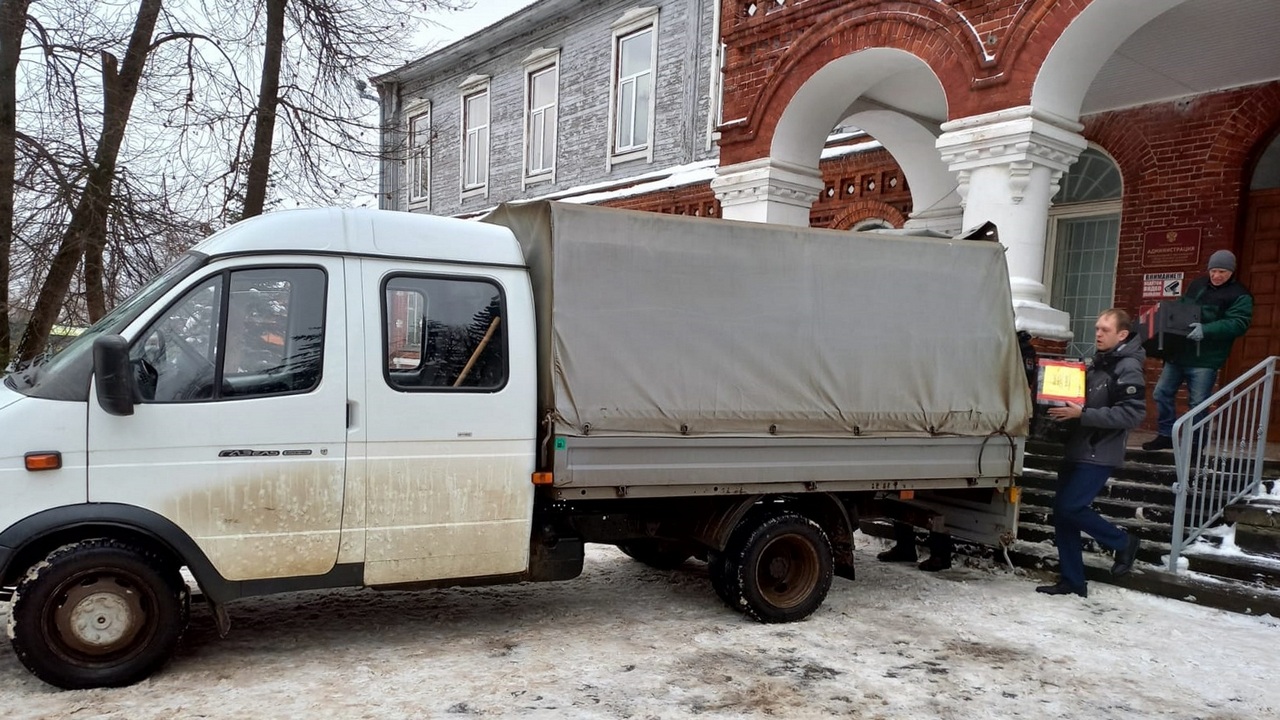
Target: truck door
(450, 421)
(239, 434)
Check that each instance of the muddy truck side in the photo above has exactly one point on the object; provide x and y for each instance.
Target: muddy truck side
(341, 398)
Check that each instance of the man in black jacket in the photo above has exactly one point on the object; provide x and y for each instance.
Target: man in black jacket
(1114, 404)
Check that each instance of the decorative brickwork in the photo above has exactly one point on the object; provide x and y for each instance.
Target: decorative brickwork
(985, 53)
(857, 187)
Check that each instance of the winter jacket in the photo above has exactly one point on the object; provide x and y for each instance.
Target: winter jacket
(1114, 403)
(1225, 312)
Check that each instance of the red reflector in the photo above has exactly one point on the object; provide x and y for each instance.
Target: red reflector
(43, 460)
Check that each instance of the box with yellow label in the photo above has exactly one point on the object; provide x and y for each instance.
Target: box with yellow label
(1059, 382)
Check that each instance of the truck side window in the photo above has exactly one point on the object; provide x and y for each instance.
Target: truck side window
(175, 359)
(271, 343)
(444, 333)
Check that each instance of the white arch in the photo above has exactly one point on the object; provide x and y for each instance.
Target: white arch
(1084, 47)
(912, 145)
(896, 78)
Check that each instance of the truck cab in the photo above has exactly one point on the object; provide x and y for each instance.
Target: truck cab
(269, 412)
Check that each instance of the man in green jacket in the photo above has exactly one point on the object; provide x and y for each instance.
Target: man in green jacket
(1226, 308)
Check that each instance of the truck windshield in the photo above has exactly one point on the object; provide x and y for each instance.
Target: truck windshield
(65, 374)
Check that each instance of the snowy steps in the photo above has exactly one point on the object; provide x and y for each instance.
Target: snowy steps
(1140, 498)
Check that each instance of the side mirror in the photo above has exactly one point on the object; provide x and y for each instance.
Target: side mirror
(112, 374)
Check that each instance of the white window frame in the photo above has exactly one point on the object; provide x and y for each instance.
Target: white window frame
(1073, 211)
(471, 88)
(540, 61)
(417, 155)
(631, 23)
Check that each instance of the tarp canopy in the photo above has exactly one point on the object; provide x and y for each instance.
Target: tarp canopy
(654, 324)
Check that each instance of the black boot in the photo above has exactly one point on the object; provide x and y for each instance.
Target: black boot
(1125, 557)
(1061, 588)
(904, 544)
(940, 550)
(899, 553)
(1159, 442)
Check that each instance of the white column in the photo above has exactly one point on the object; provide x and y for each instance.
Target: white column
(767, 190)
(1008, 165)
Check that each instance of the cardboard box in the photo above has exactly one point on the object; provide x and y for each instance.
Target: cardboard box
(1059, 382)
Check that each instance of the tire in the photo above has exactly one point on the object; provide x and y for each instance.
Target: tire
(98, 613)
(718, 571)
(658, 554)
(778, 570)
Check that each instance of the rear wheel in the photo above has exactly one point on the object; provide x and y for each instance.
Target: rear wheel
(777, 571)
(660, 554)
(98, 613)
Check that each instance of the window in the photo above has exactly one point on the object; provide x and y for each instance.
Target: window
(246, 333)
(461, 342)
(631, 92)
(475, 138)
(541, 90)
(1084, 235)
(634, 92)
(420, 157)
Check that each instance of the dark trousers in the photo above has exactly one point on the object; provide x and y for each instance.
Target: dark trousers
(1073, 513)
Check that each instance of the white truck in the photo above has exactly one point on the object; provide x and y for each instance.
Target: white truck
(331, 398)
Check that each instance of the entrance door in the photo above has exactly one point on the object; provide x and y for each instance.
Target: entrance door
(1260, 264)
(240, 434)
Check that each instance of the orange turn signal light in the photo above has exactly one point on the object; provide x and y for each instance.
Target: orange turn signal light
(543, 478)
(43, 460)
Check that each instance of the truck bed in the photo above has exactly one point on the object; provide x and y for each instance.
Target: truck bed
(610, 467)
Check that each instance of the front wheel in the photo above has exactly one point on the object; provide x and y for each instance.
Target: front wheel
(778, 571)
(98, 613)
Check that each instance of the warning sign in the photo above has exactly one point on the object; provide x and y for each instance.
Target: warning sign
(1162, 285)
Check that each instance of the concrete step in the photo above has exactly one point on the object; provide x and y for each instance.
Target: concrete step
(1238, 584)
(1248, 597)
(1258, 571)
(1155, 542)
(1035, 480)
(1110, 506)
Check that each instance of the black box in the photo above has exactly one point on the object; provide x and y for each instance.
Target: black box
(1164, 327)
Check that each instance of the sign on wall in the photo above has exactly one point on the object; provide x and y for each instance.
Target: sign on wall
(1162, 285)
(1163, 248)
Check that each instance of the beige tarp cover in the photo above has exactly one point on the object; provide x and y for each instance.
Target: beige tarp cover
(653, 324)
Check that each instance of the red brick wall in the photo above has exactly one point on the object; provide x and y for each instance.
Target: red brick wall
(1185, 164)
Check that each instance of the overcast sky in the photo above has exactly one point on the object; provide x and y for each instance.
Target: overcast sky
(455, 26)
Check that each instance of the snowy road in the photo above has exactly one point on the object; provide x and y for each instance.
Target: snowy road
(624, 641)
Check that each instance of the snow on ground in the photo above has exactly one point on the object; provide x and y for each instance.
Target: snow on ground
(626, 641)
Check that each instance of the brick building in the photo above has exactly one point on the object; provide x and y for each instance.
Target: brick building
(1115, 143)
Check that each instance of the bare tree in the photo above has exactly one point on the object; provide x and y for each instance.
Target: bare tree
(85, 233)
(315, 54)
(103, 193)
(13, 15)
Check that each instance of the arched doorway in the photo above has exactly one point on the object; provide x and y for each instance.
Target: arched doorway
(1083, 242)
(1259, 268)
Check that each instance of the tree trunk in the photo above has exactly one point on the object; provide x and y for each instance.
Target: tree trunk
(255, 194)
(85, 235)
(13, 20)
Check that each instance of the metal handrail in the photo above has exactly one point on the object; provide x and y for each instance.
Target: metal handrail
(1219, 453)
